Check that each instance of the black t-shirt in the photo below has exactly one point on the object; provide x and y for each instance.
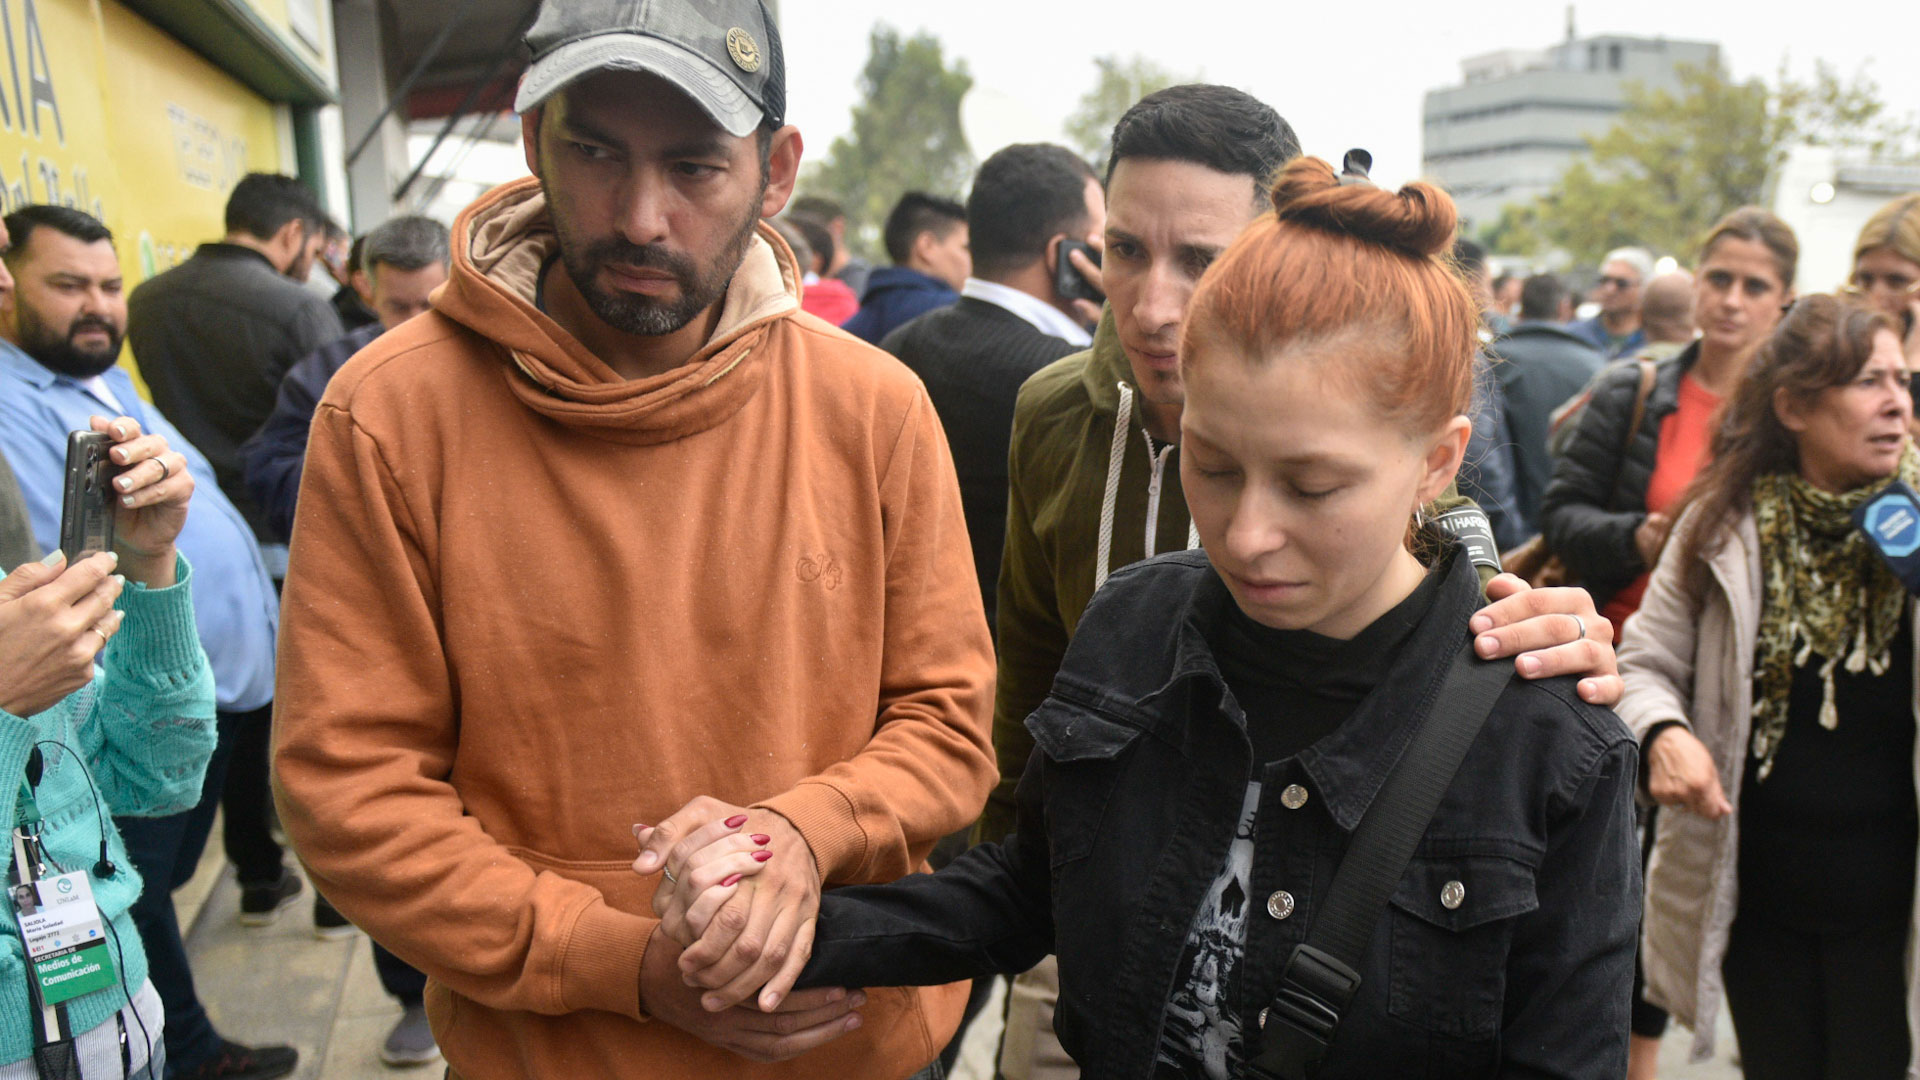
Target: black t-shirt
(1295, 687)
(1828, 839)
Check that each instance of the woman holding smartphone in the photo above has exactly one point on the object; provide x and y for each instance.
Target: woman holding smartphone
(1225, 718)
(131, 738)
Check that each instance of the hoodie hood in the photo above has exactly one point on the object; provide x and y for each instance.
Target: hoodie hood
(888, 279)
(501, 245)
(1107, 366)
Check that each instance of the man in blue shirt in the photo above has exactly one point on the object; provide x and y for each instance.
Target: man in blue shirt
(1616, 331)
(62, 328)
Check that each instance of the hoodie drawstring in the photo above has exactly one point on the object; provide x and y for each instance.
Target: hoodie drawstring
(1116, 459)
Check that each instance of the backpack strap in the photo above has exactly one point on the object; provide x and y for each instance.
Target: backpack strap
(1322, 974)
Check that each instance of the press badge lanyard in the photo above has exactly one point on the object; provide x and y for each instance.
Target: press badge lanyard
(63, 934)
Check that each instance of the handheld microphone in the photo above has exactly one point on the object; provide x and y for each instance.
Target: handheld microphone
(1891, 523)
(1471, 526)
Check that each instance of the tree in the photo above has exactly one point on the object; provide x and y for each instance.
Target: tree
(1120, 84)
(906, 134)
(1516, 230)
(1674, 164)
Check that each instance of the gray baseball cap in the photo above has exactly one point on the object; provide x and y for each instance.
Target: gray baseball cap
(725, 54)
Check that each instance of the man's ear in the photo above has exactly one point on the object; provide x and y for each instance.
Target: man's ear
(918, 253)
(783, 169)
(288, 240)
(530, 137)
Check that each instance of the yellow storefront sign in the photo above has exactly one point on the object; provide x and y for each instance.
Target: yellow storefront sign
(103, 112)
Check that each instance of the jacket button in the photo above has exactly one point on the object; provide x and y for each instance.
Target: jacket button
(1263, 1017)
(1280, 904)
(1294, 797)
(1452, 894)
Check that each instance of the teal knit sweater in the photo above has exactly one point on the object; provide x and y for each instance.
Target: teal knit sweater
(144, 729)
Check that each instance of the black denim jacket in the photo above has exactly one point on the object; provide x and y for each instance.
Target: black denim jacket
(1127, 810)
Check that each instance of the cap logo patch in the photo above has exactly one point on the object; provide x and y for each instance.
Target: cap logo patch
(741, 46)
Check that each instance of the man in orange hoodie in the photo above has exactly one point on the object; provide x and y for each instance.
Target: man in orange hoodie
(612, 529)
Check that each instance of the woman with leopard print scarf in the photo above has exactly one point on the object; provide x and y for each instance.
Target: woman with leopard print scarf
(1770, 678)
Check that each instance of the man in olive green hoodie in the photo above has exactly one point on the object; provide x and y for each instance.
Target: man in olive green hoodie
(1094, 463)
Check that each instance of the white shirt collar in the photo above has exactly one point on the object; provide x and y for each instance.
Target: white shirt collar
(1043, 316)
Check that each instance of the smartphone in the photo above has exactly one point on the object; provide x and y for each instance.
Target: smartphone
(89, 504)
(1068, 281)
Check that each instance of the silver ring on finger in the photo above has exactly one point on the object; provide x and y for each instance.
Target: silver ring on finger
(1582, 624)
(102, 633)
(668, 874)
(165, 470)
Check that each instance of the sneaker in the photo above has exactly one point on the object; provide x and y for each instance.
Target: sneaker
(328, 923)
(411, 1041)
(261, 904)
(236, 1062)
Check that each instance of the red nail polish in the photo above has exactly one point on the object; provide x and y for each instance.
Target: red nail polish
(760, 838)
(736, 821)
(762, 856)
(730, 879)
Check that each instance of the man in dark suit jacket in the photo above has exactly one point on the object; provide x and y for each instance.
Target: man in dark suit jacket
(1543, 364)
(214, 335)
(1011, 321)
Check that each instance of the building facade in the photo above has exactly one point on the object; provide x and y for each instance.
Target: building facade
(1520, 117)
(145, 113)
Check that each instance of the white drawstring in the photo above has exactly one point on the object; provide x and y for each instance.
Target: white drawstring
(1116, 457)
(1116, 460)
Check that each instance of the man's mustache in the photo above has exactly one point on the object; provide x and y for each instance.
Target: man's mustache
(642, 257)
(93, 322)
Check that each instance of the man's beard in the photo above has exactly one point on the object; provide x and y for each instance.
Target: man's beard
(57, 353)
(700, 288)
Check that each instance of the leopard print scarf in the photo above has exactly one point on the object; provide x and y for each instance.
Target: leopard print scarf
(1825, 592)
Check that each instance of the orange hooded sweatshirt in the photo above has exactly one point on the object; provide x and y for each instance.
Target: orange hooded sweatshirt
(531, 604)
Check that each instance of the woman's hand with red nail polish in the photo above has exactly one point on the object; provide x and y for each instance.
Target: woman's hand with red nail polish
(702, 867)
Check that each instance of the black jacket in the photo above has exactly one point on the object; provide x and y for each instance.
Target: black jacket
(1598, 496)
(213, 336)
(271, 462)
(1127, 812)
(973, 356)
(1542, 366)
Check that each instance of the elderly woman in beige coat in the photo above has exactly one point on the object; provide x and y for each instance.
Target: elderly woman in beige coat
(1770, 679)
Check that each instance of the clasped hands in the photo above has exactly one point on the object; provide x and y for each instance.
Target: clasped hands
(738, 898)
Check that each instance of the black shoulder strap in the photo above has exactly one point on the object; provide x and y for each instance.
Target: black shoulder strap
(1322, 975)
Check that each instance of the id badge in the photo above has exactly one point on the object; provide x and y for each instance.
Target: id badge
(65, 937)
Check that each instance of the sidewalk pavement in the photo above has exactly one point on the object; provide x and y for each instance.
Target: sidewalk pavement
(280, 984)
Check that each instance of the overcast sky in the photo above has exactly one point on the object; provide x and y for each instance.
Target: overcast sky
(1344, 74)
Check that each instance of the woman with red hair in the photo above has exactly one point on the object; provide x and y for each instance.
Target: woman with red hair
(1226, 718)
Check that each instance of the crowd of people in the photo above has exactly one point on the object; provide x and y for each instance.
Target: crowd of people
(1199, 561)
